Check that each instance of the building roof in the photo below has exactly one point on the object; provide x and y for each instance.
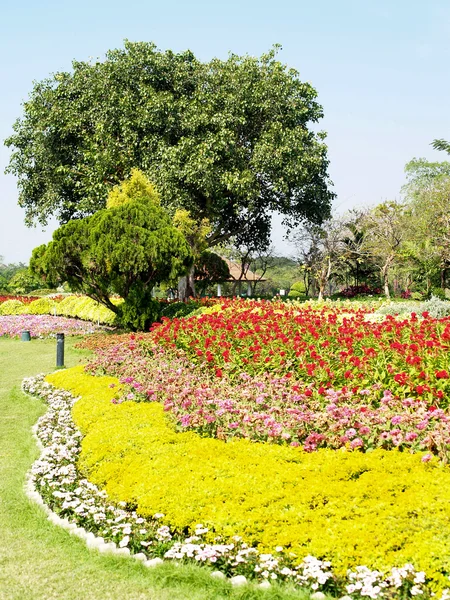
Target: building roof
(236, 272)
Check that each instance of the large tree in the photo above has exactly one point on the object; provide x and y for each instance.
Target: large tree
(126, 249)
(228, 140)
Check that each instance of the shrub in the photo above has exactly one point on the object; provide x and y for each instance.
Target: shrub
(179, 309)
(298, 290)
(436, 307)
(11, 307)
(85, 308)
(400, 308)
(139, 311)
(438, 292)
(43, 306)
(44, 292)
(417, 296)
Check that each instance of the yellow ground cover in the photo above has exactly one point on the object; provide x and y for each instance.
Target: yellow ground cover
(379, 509)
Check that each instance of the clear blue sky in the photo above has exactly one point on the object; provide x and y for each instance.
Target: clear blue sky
(380, 68)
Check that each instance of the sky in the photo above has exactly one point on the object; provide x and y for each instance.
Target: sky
(380, 68)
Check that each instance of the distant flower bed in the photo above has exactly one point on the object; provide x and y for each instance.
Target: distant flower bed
(80, 307)
(23, 299)
(41, 326)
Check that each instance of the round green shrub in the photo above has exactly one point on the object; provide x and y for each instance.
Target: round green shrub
(298, 290)
(12, 307)
(43, 306)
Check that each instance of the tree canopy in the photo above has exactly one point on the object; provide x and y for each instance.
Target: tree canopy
(126, 249)
(227, 140)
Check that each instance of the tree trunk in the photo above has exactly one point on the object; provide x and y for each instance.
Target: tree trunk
(385, 280)
(320, 296)
(323, 279)
(186, 286)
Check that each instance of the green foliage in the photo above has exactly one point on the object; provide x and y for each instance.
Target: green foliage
(298, 290)
(23, 282)
(12, 307)
(43, 306)
(229, 140)
(44, 292)
(438, 292)
(416, 296)
(7, 272)
(139, 310)
(126, 249)
(441, 145)
(210, 268)
(136, 188)
(179, 309)
(85, 308)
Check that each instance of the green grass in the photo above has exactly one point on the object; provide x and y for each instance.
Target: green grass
(39, 561)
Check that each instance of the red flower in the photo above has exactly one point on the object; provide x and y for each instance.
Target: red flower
(441, 374)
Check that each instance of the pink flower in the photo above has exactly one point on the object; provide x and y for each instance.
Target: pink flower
(357, 443)
(427, 458)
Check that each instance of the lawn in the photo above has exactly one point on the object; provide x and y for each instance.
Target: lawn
(39, 561)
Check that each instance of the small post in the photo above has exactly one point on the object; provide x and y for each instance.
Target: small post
(59, 349)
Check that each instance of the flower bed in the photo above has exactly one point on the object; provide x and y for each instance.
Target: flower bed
(381, 508)
(326, 348)
(23, 299)
(43, 326)
(394, 409)
(80, 307)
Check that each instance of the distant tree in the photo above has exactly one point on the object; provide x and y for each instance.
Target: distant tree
(386, 230)
(319, 251)
(357, 266)
(23, 282)
(228, 140)
(428, 194)
(7, 272)
(125, 249)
